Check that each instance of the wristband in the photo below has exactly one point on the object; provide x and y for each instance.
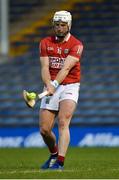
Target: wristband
(55, 83)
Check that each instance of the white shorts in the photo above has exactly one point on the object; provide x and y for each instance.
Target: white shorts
(69, 91)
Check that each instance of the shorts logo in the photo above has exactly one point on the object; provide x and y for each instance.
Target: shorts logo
(47, 100)
(68, 93)
(66, 51)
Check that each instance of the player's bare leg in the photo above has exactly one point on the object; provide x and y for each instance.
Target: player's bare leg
(66, 111)
(46, 124)
(67, 108)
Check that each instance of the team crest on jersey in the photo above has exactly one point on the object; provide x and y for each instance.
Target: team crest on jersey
(66, 51)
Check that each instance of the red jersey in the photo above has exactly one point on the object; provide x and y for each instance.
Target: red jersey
(57, 53)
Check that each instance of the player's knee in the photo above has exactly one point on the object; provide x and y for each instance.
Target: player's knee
(64, 120)
(44, 132)
(63, 125)
(66, 116)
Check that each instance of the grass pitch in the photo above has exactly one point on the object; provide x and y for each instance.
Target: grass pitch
(84, 163)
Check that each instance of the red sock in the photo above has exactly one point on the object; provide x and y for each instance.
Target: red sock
(60, 160)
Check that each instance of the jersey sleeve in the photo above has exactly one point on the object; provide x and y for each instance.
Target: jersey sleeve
(76, 51)
(42, 48)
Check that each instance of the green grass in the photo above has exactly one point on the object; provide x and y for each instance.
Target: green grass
(80, 163)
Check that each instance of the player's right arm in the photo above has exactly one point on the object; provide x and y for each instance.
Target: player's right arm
(45, 74)
(44, 61)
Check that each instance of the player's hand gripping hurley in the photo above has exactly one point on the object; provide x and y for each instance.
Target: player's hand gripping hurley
(31, 98)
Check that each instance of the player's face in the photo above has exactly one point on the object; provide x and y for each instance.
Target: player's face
(61, 29)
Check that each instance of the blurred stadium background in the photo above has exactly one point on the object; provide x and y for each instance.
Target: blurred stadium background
(22, 25)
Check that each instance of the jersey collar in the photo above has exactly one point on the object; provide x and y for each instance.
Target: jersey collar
(66, 38)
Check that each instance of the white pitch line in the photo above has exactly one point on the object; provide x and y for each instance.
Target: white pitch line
(46, 171)
(35, 171)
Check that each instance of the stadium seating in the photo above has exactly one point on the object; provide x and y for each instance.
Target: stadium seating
(20, 8)
(98, 28)
(96, 24)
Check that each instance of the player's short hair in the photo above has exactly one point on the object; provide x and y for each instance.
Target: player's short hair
(63, 16)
